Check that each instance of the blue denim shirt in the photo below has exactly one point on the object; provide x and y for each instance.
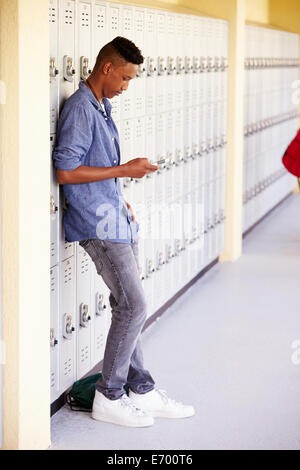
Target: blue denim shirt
(88, 136)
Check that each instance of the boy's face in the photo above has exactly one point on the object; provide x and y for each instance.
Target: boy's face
(117, 78)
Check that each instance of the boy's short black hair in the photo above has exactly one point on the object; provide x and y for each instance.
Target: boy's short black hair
(120, 48)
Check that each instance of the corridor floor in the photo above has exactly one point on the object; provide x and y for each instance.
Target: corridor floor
(229, 347)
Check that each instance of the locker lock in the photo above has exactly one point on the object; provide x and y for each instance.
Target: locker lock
(100, 305)
(218, 62)
(203, 147)
(151, 69)
(224, 63)
(224, 140)
(161, 66)
(84, 68)
(141, 70)
(53, 71)
(171, 65)
(188, 153)
(211, 64)
(170, 160)
(178, 247)
(188, 65)
(69, 71)
(141, 273)
(160, 260)
(196, 151)
(179, 65)
(84, 316)
(170, 255)
(150, 268)
(53, 207)
(179, 156)
(203, 64)
(53, 341)
(210, 147)
(196, 64)
(67, 326)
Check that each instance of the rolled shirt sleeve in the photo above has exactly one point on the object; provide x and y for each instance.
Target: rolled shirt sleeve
(74, 138)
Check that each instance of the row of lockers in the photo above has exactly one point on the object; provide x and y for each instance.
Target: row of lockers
(271, 71)
(178, 114)
(271, 118)
(185, 55)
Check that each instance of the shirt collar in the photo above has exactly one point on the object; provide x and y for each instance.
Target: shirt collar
(86, 91)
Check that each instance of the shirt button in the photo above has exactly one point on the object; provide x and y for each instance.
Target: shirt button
(112, 138)
(106, 119)
(115, 161)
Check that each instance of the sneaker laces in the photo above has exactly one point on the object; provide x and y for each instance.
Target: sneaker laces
(128, 403)
(167, 399)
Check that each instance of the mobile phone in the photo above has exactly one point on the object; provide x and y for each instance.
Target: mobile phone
(160, 162)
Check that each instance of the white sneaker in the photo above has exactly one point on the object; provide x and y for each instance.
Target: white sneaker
(159, 405)
(122, 411)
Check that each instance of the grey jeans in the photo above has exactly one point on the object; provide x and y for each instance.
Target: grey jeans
(118, 263)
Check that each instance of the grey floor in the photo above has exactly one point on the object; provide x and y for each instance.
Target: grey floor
(226, 347)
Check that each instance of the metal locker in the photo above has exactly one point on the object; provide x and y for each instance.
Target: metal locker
(100, 312)
(170, 52)
(139, 85)
(151, 60)
(54, 209)
(85, 320)
(53, 65)
(99, 30)
(66, 249)
(66, 48)
(161, 80)
(126, 143)
(67, 319)
(54, 333)
(113, 21)
(84, 61)
(196, 60)
(127, 100)
(188, 60)
(150, 153)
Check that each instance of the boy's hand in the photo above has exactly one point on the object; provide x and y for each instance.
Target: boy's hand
(138, 167)
(130, 208)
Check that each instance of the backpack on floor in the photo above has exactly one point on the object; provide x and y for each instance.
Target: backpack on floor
(81, 395)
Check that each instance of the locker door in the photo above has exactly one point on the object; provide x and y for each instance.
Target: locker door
(67, 326)
(150, 153)
(100, 22)
(66, 48)
(100, 311)
(180, 62)
(66, 249)
(171, 62)
(84, 41)
(84, 315)
(128, 97)
(151, 60)
(196, 54)
(53, 70)
(54, 333)
(188, 48)
(161, 81)
(139, 85)
(139, 147)
(114, 27)
(54, 210)
(126, 141)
